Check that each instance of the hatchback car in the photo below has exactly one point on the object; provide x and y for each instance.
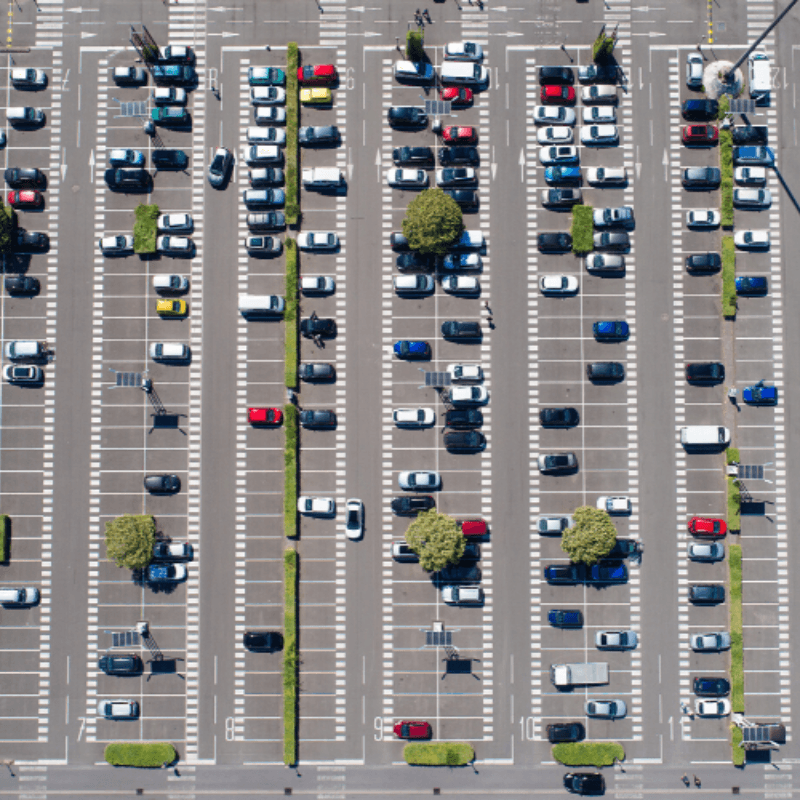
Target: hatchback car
(557, 176)
(220, 167)
(455, 176)
(705, 551)
(170, 115)
(453, 134)
(269, 115)
(701, 177)
(705, 372)
(317, 95)
(558, 417)
(266, 176)
(317, 240)
(599, 135)
(318, 134)
(407, 117)
(598, 73)
(605, 264)
(322, 506)
(464, 441)
(173, 551)
(564, 154)
(752, 198)
(123, 158)
(612, 331)
(411, 506)
(706, 593)
(695, 63)
(616, 506)
(317, 418)
(558, 285)
(703, 218)
(561, 197)
(263, 641)
(413, 730)
(459, 155)
(116, 245)
(407, 178)
(320, 73)
(413, 417)
(469, 395)
(26, 198)
(711, 687)
(412, 349)
(752, 239)
(599, 115)
(703, 262)
(166, 573)
(619, 216)
(263, 245)
(169, 351)
(466, 198)
(465, 373)
(414, 284)
(600, 93)
(699, 135)
(264, 416)
(171, 308)
(754, 156)
(24, 178)
(266, 76)
(420, 481)
(609, 709)
(554, 242)
(174, 245)
(712, 708)
(553, 526)
(556, 463)
(563, 574)
(21, 284)
(553, 115)
(318, 326)
(118, 709)
(707, 526)
(463, 418)
(31, 241)
(558, 95)
(565, 731)
(607, 176)
(316, 372)
(710, 642)
(267, 95)
(459, 96)
(612, 240)
(462, 261)
(605, 371)
(554, 134)
(616, 640)
(169, 159)
(162, 484)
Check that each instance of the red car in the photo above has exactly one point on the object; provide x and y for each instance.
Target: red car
(558, 94)
(25, 198)
(699, 134)
(413, 730)
(455, 135)
(473, 527)
(457, 96)
(322, 73)
(707, 526)
(265, 416)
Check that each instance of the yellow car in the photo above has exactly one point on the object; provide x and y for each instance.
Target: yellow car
(316, 94)
(171, 308)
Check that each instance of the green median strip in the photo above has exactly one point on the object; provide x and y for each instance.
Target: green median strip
(5, 530)
(726, 176)
(734, 504)
(292, 209)
(140, 754)
(588, 754)
(582, 229)
(737, 752)
(737, 646)
(291, 317)
(290, 468)
(290, 657)
(728, 277)
(439, 754)
(145, 228)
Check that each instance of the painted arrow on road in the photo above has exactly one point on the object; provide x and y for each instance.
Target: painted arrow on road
(522, 165)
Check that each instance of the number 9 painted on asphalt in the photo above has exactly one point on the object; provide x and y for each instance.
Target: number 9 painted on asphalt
(379, 728)
(350, 82)
(229, 729)
(526, 728)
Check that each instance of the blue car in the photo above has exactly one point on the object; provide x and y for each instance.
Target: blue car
(615, 331)
(559, 175)
(166, 573)
(406, 349)
(751, 285)
(757, 156)
(126, 158)
(760, 395)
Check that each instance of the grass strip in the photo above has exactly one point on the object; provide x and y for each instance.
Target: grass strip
(728, 277)
(145, 228)
(290, 469)
(732, 455)
(588, 754)
(582, 229)
(292, 209)
(734, 504)
(140, 754)
(291, 317)
(5, 524)
(439, 754)
(726, 175)
(737, 643)
(290, 659)
(723, 106)
(737, 752)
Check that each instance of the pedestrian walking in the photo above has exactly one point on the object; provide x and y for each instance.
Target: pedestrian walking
(685, 778)
(426, 14)
(486, 306)
(696, 781)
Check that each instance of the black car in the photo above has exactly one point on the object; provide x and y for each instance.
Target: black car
(316, 372)
(567, 574)
(266, 221)
(459, 155)
(463, 418)
(699, 110)
(705, 372)
(749, 134)
(18, 178)
(318, 134)
(453, 329)
(703, 262)
(317, 418)
(565, 618)
(162, 484)
(464, 441)
(612, 241)
(705, 177)
(625, 547)
(558, 417)
(169, 159)
(414, 260)
(556, 75)
(21, 284)
(706, 593)
(31, 240)
(457, 176)
(407, 117)
(565, 732)
(120, 664)
(472, 552)
(127, 179)
(605, 371)
(561, 197)
(466, 198)
(413, 156)
(398, 242)
(458, 573)
(556, 463)
(554, 242)
(584, 783)
(263, 641)
(318, 326)
(411, 506)
(711, 687)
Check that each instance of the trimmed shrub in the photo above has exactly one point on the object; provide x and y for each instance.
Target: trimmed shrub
(737, 752)
(145, 228)
(5, 525)
(433, 222)
(726, 175)
(140, 754)
(737, 643)
(734, 504)
(130, 539)
(439, 754)
(728, 277)
(603, 47)
(588, 754)
(415, 46)
(292, 208)
(582, 229)
(291, 317)
(290, 656)
(290, 469)
(8, 227)
(732, 455)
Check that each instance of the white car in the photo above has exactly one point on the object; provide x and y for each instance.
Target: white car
(465, 372)
(554, 526)
(553, 115)
(705, 551)
(317, 284)
(752, 198)
(169, 351)
(267, 95)
(28, 78)
(616, 506)
(169, 96)
(751, 240)
(607, 176)
(126, 158)
(718, 707)
(469, 396)
(115, 245)
(118, 709)
(354, 519)
(406, 177)
(703, 218)
(694, 70)
(317, 240)
(600, 93)
(175, 223)
(750, 176)
(455, 176)
(558, 284)
(552, 156)
(556, 134)
(269, 115)
(414, 417)
(463, 51)
(316, 505)
(605, 263)
(460, 284)
(420, 481)
(593, 115)
(179, 245)
(463, 261)
(599, 135)
(611, 709)
(616, 640)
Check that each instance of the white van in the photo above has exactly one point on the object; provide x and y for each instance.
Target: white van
(759, 73)
(463, 73)
(19, 349)
(322, 177)
(705, 436)
(261, 305)
(22, 596)
(462, 595)
(22, 116)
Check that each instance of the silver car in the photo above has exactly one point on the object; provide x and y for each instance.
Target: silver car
(705, 551)
(694, 70)
(354, 519)
(610, 709)
(616, 640)
(752, 198)
(710, 642)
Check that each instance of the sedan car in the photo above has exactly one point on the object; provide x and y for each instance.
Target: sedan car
(166, 573)
(707, 526)
(404, 177)
(414, 417)
(263, 641)
(705, 551)
(703, 262)
(320, 73)
(267, 95)
(116, 245)
(465, 373)
(170, 115)
(700, 135)
(459, 96)
(455, 176)
(558, 417)
(607, 176)
(469, 396)
(600, 93)
(461, 261)
(712, 708)
(318, 326)
(619, 216)
(558, 95)
(558, 284)
(175, 223)
(705, 372)
(612, 331)
(454, 134)
(411, 506)
(599, 114)
(263, 245)
(604, 264)
(557, 176)
(710, 642)
(459, 155)
(173, 551)
(752, 198)
(760, 394)
(553, 526)
(464, 441)
(703, 218)
(24, 178)
(26, 198)
(565, 154)
(354, 519)
(266, 176)
(14, 373)
(264, 416)
(21, 284)
(553, 115)
(555, 463)
(554, 134)
(174, 245)
(325, 506)
(317, 240)
(118, 709)
(120, 664)
(31, 241)
(616, 640)
(169, 159)
(701, 177)
(615, 506)
(317, 284)
(317, 418)
(605, 371)
(752, 239)
(564, 574)
(609, 709)
(706, 593)
(554, 242)
(711, 687)
(748, 176)
(413, 730)
(584, 783)
(162, 484)
(220, 167)
(420, 481)
(412, 349)
(599, 135)
(266, 76)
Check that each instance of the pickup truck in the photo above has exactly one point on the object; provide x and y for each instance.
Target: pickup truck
(563, 676)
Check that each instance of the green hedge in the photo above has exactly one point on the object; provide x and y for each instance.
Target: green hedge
(724, 106)
(728, 277)
(582, 229)
(291, 317)
(439, 754)
(589, 754)
(732, 455)
(737, 643)
(8, 227)
(290, 470)
(145, 228)
(290, 658)
(292, 124)
(734, 504)
(5, 524)
(140, 754)
(415, 45)
(726, 172)
(737, 752)
(603, 47)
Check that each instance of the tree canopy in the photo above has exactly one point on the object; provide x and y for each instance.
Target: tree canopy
(591, 537)
(436, 539)
(415, 50)
(8, 228)
(433, 222)
(130, 539)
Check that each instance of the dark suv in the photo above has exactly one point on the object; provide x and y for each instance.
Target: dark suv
(466, 198)
(708, 372)
(464, 441)
(407, 117)
(556, 75)
(749, 134)
(120, 664)
(127, 179)
(699, 110)
(18, 178)
(458, 573)
(414, 156)
(706, 593)
(605, 371)
(461, 418)
(453, 329)
(263, 641)
(411, 506)
(318, 326)
(701, 177)
(565, 732)
(554, 242)
(459, 155)
(703, 262)
(316, 372)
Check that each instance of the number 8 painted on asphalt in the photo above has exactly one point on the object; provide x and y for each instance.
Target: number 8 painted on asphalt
(379, 728)
(229, 729)
(350, 83)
